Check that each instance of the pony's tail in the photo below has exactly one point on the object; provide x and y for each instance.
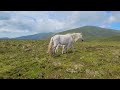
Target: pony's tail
(50, 46)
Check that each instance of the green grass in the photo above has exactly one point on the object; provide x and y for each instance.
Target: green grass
(27, 59)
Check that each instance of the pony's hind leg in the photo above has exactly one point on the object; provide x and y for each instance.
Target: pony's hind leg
(54, 49)
(64, 48)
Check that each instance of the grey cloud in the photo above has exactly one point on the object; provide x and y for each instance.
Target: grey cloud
(5, 15)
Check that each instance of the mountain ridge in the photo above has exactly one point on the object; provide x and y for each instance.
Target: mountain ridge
(89, 33)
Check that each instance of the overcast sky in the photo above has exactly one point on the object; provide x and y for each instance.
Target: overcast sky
(21, 23)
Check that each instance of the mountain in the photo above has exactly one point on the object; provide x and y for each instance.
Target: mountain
(93, 32)
(39, 36)
(4, 38)
(89, 33)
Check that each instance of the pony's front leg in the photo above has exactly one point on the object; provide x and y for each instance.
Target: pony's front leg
(68, 46)
(73, 49)
(62, 51)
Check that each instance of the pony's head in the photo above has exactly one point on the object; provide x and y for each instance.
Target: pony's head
(77, 36)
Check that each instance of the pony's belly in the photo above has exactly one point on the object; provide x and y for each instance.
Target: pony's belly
(65, 42)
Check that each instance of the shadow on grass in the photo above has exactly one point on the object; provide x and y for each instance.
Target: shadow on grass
(57, 55)
(60, 54)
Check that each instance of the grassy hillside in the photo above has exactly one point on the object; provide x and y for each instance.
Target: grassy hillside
(113, 38)
(92, 32)
(20, 59)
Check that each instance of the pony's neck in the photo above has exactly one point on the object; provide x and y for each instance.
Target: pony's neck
(73, 36)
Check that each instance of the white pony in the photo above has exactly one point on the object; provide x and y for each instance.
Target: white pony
(64, 48)
(66, 41)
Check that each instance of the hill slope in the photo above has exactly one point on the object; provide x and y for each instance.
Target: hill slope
(93, 32)
(38, 36)
(113, 38)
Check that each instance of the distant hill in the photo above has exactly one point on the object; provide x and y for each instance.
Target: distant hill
(39, 36)
(93, 32)
(4, 38)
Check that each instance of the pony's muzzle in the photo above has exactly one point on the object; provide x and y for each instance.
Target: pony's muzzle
(82, 39)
